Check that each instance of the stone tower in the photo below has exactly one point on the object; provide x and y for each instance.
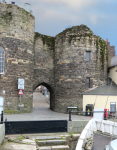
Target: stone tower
(79, 65)
(17, 40)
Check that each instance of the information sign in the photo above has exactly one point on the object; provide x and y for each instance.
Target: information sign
(113, 107)
(20, 84)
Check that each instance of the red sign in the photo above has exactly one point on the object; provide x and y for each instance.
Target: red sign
(20, 92)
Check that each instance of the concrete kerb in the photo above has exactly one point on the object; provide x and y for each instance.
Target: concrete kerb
(2, 133)
(76, 126)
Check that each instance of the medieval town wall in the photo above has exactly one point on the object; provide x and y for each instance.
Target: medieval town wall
(44, 63)
(17, 40)
(59, 63)
(71, 67)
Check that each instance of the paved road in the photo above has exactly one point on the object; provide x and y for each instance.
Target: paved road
(41, 111)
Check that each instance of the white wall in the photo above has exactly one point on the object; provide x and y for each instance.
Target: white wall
(2, 133)
(113, 74)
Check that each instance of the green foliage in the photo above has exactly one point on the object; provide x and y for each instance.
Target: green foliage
(2, 144)
(7, 16)
(24, 12)
(63, 139)
(37, 141)
(76, 31)
(7, 111)
(9, 6)
(103, 49)
(71, 134)
(20, 137)
(50, 41)
(25, 111)
(28, 143)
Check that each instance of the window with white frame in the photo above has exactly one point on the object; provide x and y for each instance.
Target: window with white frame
(1, 60)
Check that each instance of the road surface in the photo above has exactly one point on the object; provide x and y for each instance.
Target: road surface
(41, 111)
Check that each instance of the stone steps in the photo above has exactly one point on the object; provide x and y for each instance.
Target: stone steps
(50, 137)
(52, 142)
(57, 147)
(56, 141)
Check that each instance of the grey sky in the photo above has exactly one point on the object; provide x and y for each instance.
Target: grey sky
(53, 16)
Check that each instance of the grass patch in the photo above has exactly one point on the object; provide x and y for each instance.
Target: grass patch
(71, 134)
(25, 111)
(20, 138)
(63, 139)
(11, 111)
(2, 144)
(37, 140)
(28, 143)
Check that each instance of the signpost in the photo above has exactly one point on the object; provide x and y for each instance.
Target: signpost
(20, 87)
(20, 93)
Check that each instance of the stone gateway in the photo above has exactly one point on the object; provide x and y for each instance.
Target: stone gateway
(68, 64)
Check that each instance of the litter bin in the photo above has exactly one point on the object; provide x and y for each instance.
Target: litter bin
(89, 108)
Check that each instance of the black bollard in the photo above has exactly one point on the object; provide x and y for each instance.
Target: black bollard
(70, 115)
(105, 115)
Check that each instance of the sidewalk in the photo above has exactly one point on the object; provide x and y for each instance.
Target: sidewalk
(41, 111)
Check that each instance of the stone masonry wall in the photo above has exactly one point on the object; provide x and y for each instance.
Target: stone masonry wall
(59, 63)
(17, 39)
(71, 67)
(44, 63)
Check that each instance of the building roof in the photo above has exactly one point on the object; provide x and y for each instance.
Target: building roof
(102, 90)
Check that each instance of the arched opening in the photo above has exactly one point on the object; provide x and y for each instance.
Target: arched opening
(42, 97)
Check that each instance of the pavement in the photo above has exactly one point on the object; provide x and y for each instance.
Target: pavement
(41, 111)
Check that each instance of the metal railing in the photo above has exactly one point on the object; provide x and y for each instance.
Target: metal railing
(84, 112)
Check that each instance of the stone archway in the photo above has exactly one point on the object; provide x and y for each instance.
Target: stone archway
(49, 87)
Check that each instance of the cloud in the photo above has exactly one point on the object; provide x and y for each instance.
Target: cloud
(93, 19)
(53, 16)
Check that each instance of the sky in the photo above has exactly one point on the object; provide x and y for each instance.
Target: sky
(54, 16)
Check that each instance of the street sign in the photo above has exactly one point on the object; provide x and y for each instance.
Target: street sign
(20, 84)
(20, 92)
